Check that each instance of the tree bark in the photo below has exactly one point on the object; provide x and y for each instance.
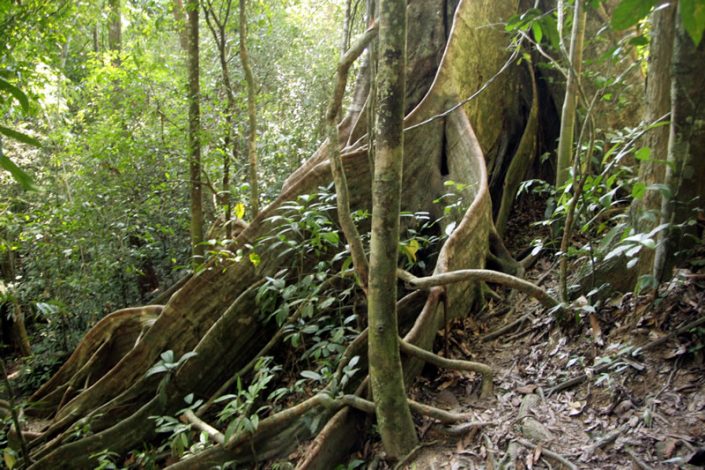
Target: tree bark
(194, 130)
(568, 114)
(685, 174)
(115, 30)
(645, 212)
(392, 409)
(251, 112)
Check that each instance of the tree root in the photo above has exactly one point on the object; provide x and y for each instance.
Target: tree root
(215, 435)
(481, 275)
(548, 453)
(506, 328)
(438, 361)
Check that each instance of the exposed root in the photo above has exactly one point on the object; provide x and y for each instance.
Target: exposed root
(481, 275)
(506, 328)
(215, 435)
(438, 361)
(550, 454)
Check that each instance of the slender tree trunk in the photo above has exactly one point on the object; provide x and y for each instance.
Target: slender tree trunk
(251, 111)
(645, 212)
(194, 119)
(217, 27)
(393, 416)
(565, 142)
(685, 174)
(115, 30)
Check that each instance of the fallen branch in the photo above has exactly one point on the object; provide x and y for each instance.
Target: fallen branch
(484, 275)
(455, 364)
(549, 454)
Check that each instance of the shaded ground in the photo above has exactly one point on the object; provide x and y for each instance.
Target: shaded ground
(646, 411)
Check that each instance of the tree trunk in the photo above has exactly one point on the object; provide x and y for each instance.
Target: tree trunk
(194, 130)
(393, 415)
(251, 112)
(645, 212)
(215, 313)
(115, 30)
(568, 115)
(685, 174)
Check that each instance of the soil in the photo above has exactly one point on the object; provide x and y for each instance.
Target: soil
(645, 411)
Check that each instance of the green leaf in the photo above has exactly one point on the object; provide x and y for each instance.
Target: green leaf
(16, 92)
(17, 173)
(693, 17)
(13, 134)
(309, 374)
(638, 190)
(630, 12)
(538, 32)
(642, 154)
(254, 259)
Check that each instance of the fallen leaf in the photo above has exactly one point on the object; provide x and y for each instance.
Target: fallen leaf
(527, 389)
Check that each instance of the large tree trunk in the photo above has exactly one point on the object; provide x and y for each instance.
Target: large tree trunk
(685, 174)
(215, 312)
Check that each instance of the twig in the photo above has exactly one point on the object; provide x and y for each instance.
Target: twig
(201, 425)
(602, 367)
(640, 463)
(505, 329)
(455, 364)
(607, 439)
(549, 453)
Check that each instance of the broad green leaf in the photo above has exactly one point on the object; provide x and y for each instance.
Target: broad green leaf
(16, 92)
(642, 154)
(693, 17)
(309, 374)
(17, 173)
(638, 190)
(630, 12)
(13, 134)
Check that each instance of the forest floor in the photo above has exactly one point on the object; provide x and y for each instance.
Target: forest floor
(632, 409)
(644, 411)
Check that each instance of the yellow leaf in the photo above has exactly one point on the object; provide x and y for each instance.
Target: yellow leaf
(9, 458)
(255, 259)
(239, 210)
(411, 248)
